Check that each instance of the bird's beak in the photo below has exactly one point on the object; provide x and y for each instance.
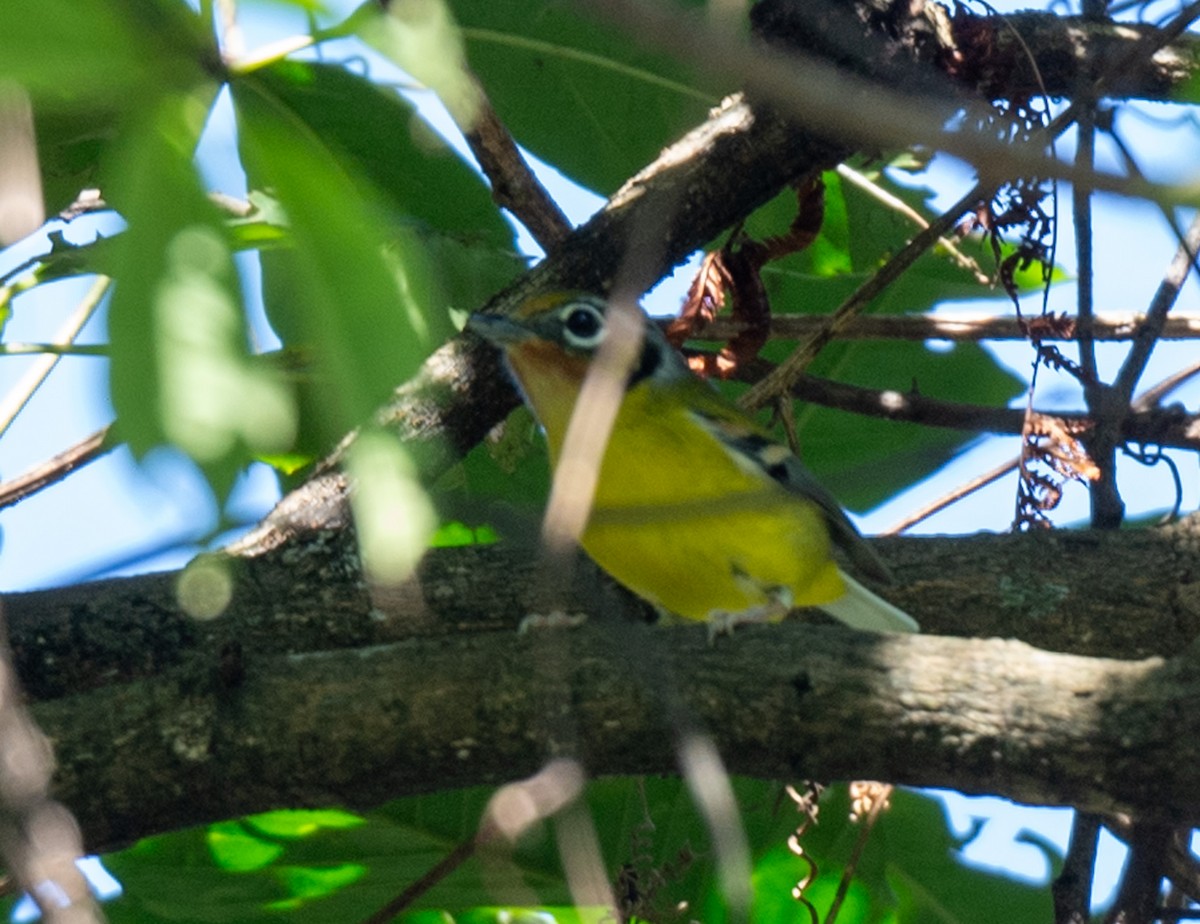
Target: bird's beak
(497, 328)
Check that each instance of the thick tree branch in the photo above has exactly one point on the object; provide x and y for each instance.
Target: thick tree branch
(154, 715)
(362, 726)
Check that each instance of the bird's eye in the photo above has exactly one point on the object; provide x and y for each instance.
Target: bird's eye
(583, 326)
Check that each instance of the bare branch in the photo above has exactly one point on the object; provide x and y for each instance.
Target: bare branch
(54, 469)
(1164, 427)
(514, 185)
(779, 702)
(1072, 889)
(959, 326)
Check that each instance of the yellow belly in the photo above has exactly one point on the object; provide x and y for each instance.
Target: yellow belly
(678, 521)
(694, 564)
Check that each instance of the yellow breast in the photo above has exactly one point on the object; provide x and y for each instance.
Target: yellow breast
(678, 521)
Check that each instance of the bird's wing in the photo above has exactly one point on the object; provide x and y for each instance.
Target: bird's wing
(754, 449)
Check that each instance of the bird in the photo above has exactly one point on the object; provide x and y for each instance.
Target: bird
(697, 509)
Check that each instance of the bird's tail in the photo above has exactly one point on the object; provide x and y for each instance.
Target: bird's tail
(861, 609)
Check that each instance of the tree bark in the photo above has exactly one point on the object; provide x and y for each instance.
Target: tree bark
(316, 689)
(360, 726)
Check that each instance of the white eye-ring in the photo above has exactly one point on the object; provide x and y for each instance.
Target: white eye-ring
(583, 325)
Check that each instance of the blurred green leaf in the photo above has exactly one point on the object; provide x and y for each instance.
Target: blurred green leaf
(577, 93)
(181, 369)
(76, 53)
(386, 148)
(360, 301)
(90, 66)
(393, 516)
(422, 38)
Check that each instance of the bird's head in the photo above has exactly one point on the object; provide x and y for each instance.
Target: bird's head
(551, 340)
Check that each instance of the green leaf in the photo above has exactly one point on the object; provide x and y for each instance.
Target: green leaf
(578, 93)
(422, 38)
(865, 460)
(79, 53)
(181, 370)
(656, 849)
(90, 65)
(359, 300)
(385, 147)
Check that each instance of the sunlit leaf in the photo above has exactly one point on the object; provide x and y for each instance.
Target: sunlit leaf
(359, 300)
(181, 368)
(392, 513)
(422, 38)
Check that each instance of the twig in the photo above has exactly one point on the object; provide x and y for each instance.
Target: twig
(1154, 396)
(514, 185)
(55, 349)
(959, 326)
(1164, 298)
(233, 42)
(786, 373)
(878, 804)
(54, 469)
(20, 394)
(1163, 427)
(1072, 889)
(963, 490)
(462, 852)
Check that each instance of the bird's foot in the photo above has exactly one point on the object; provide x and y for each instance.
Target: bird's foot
(723, 622)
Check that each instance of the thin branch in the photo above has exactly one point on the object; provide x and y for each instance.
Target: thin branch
(958, 326)
(1168, 428)
(514, 185)
(953, 497)
(1081, 198)
(53, 349)
(1164, 299)
(878, 805)
(1156, 394)
(55, 469)
(897, 204)
(32, 380)
(786, 373)
(1072, 889)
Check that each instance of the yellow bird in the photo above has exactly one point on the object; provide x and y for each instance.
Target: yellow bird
(697, 508)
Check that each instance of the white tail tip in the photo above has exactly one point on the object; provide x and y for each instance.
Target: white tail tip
(861, 609)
